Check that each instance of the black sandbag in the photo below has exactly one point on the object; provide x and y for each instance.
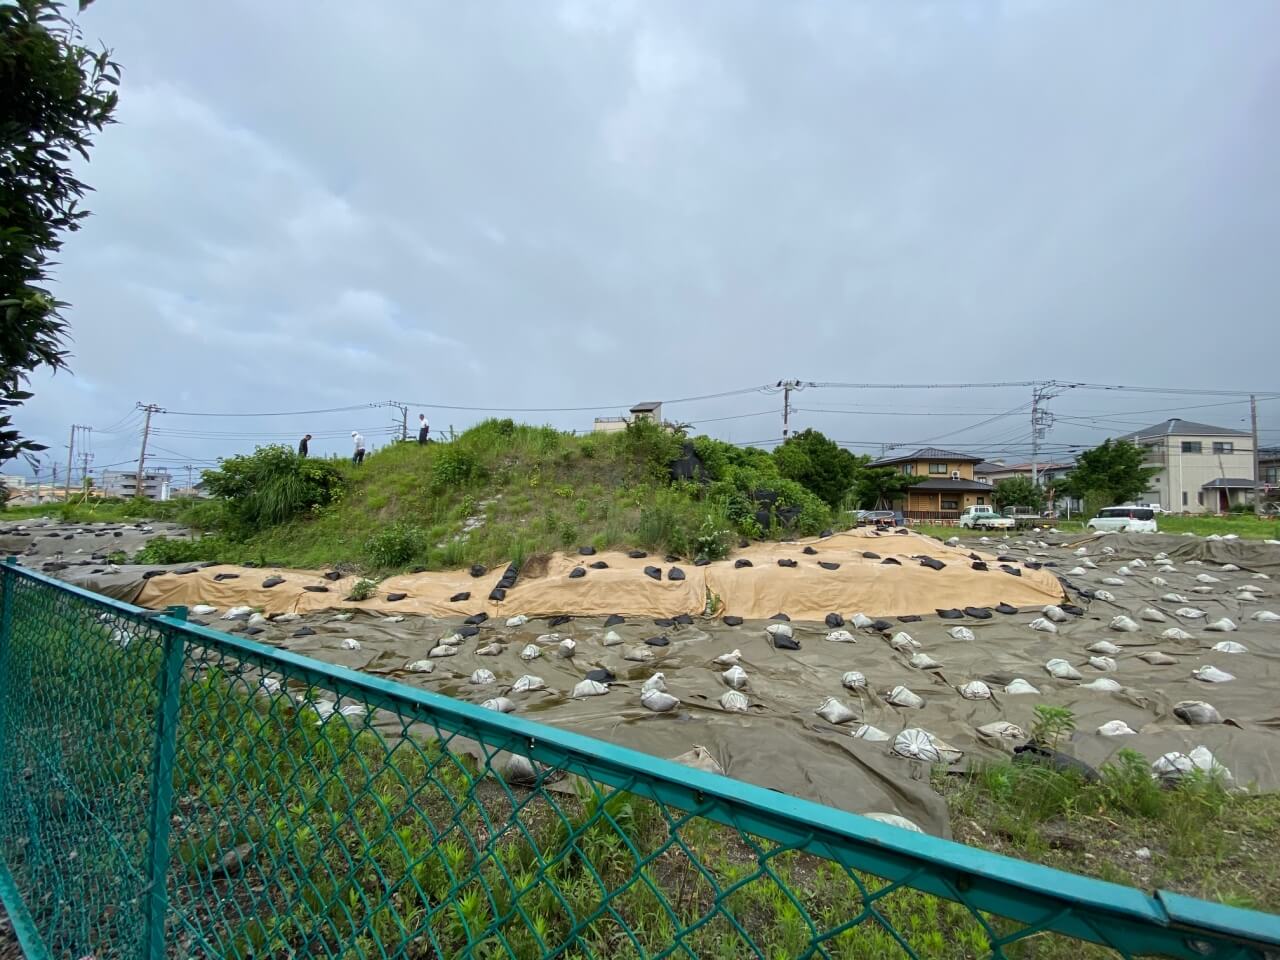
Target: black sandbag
(1005, 558)
(978, 613)
(834, 620)
(460, 597)
(303, 632)
(974, 556)
(586, 551)
(701, 562)
(577, 573)
(476, 619)
(1006, 609)
(664, 622)
(1014, 571)
(910, 618)
(827, 533)
(614, 619)
(598, 565)
(219, 577)
(470, 630)
(684, 619)
(272, 582)
(978, 565)
(253, 631)
(1031, 565)
(395, 597)
(418, 569)
(315, 589)
(670, 558)
(743, 543)
(950, 614)
(497, 594)
(781, 616)
(653, 572)
(601, 675)
(781, 642)
(741, 562)
(901, 531)
(891, 561)
(786, 562)
(868, 555)
(730, 621)
(1084, 594)
(881, 626)
(932, 563)
(658, 641)
(185, 571)
(330, 575)
(1072, 609)
(1063, 763)
(558, 620)
(478, 570)
(675, 573)
(636, 554)
(828, 565)
(809, 552)
(506, 583)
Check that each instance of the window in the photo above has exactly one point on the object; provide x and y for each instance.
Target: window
(950, 505)
(1192, 446)
(1200, 498)
(1224, 447)
(908, 468)
(938, 468)
(1184, 498)
(981, 501)
(1271, 474)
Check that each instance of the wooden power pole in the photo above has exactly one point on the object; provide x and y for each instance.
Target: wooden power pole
(149, 408)
(1257, 488)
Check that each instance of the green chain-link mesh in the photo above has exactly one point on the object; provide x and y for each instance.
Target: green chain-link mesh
(168, 791)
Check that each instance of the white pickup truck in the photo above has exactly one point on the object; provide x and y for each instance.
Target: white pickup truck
(985, 518)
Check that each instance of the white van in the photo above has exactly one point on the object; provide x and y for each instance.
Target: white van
(1125, 519)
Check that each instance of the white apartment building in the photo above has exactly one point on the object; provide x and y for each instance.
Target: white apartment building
(1203, 469)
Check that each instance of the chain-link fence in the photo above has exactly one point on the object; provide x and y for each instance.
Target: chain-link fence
(167, 790)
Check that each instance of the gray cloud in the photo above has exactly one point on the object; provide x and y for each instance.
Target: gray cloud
(541, 204)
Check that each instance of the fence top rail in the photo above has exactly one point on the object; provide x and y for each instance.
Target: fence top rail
(994, 882)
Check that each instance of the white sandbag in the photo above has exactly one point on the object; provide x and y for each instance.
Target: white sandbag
(833, 711)
(1109, 551)
(1225, 625)
(1104, 595)
(350, 643)
(589, 688)
(530, 652)
(1113, 581)
(490, 650)
(286, 617)
(1089, 564)
(1082, 551)
(528, 683)
(903, 642)
(1076, 572)
(1266, 616)
(349, 615)
(1055, 613)
(500, 705)
(1206, 578)
(730, 659)
(257, 620)
(659, 701)
(1190, 613)
(1230, 646)
(1137, 563)
(900, 696)
(421, 666)
(443, 650)
(1175, 766)
(916, 744)
(1211, 674)
(974, 690)
(638, 654)
(1174, 598)
(1159, 582)
(656, 682)
(1152, 615)
(732, 701)
(611, 638)
(519, 620)
(1176, 633)
(866, 731)
(238, 613)
(1124, 624)
(1157, 658)
(1101, 685)
(483, 677)
(1228, 568)
(861, 621)
(963, 634)
(841, 636)
(1123, 572)
(1044, 625)
(566, 648)
(1104, 647)
(394, 618)
(853, 680)
(1019, 686)
(1202, 590)
(1196, 712)
(735, 678)
(203, 609)
(777, 630)
(1002, 730)
(453, 640)
(922, 661)
(1116, 728)
(1105, 664)
(1061, 670)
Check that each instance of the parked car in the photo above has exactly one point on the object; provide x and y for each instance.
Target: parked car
(880, 518)
(1125, 519)
(984, 518)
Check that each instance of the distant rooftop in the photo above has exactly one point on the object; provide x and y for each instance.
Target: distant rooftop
(1174, 427)
(647, 407)
(927, 453)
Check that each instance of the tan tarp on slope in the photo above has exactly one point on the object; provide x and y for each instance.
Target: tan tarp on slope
(804, 592)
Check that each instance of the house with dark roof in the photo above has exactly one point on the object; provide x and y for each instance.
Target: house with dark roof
(1201, 468)
(948, 485)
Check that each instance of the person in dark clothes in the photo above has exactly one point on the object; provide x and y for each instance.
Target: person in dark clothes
(424, 428)
(304, 445)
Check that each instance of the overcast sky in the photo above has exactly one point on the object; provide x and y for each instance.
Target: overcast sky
(580, 204)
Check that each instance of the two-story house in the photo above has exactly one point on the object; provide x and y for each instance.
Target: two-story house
(948, 486)
(1202, 468)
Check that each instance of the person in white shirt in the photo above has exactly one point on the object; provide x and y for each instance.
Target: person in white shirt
(358, 456)
(424, 428)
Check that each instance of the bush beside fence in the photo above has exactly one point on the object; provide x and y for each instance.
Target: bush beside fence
(168, 790)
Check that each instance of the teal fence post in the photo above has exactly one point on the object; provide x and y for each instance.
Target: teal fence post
(6, 629)
(168, 684)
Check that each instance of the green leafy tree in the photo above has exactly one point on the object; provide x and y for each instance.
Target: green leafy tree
(818, 464)
(1113, 472)
(54, 94)
(271, 485)
(1018, 491)
(874, 488)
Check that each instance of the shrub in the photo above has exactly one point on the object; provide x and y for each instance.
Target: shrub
(395, 545)
(363, 589)
(181, 550)
(454, 466)
(270, 486)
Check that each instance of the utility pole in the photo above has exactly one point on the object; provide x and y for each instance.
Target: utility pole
(787, 386)
(190, 481)
(1041, 421)
(71, 448)
(85, 457)
(1257, 490)
(149, 408)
